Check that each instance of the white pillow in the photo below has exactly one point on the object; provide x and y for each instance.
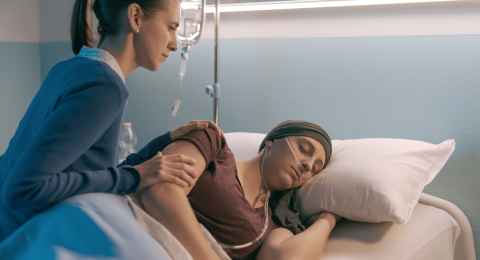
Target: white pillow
(370, 180)
(244, 145)
(374, 179)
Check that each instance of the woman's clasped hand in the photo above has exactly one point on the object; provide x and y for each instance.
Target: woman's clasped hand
(172, 168)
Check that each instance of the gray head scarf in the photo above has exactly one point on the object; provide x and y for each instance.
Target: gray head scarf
(284, 205)
(301, 128)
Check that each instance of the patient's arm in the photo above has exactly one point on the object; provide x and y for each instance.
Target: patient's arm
(282, 244)
(168, 203)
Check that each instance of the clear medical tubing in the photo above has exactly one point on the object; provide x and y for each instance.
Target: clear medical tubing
(266, 207)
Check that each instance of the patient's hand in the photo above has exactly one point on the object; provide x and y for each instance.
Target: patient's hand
(330, 217)
(194, 125)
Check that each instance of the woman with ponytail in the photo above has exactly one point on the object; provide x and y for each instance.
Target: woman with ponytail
(66, 142)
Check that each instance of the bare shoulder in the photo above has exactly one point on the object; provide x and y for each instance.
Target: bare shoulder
(186, 148)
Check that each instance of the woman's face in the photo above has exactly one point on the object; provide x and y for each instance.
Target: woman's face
(157, 36)
(292, 161)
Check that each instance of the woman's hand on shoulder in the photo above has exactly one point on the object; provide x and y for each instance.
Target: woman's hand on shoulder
(192, 126)
(181, 167)
(173, 168)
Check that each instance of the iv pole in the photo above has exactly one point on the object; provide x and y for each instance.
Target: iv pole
(214, 90)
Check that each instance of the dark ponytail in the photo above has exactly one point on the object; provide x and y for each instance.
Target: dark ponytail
(80, 33)
(109, 14)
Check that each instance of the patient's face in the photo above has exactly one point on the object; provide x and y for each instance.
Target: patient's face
(292, 161)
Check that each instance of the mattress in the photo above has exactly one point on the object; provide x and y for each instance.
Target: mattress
(436, 230)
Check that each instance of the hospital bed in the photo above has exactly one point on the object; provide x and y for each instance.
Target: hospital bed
(437, 230)
(106, 226)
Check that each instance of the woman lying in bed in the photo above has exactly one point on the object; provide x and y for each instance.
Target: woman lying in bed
(228, 196)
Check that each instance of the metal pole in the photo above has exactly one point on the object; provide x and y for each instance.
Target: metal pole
(216, 85)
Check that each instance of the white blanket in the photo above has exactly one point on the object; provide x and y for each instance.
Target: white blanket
(95, 226)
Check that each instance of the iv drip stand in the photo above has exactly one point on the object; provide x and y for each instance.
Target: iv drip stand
(214, 90)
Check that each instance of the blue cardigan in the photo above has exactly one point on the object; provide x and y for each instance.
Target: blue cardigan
(66, 143)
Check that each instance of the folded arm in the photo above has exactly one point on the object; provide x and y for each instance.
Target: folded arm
(282, 244)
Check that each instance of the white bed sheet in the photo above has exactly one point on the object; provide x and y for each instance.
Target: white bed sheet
(431, 233)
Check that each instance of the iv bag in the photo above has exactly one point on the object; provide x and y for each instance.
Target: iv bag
(192, 17)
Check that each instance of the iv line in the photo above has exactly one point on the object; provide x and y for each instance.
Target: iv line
(267, 218)
(266, 207)
(183, 68)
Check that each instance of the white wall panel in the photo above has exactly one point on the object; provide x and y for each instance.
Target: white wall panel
(460, 18)
(19, 21)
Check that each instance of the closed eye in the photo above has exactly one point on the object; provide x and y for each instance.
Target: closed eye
(174, 26)
(306, 148)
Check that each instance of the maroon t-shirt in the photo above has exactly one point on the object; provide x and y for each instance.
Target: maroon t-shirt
(218, 199)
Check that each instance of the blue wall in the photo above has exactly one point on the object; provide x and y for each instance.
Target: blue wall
(19, 79)
(424, 88)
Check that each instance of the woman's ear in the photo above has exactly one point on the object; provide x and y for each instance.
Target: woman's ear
(135, 15)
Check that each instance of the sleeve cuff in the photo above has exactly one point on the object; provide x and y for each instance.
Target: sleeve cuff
(148, 151)
(131, 179)
(157, 144)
